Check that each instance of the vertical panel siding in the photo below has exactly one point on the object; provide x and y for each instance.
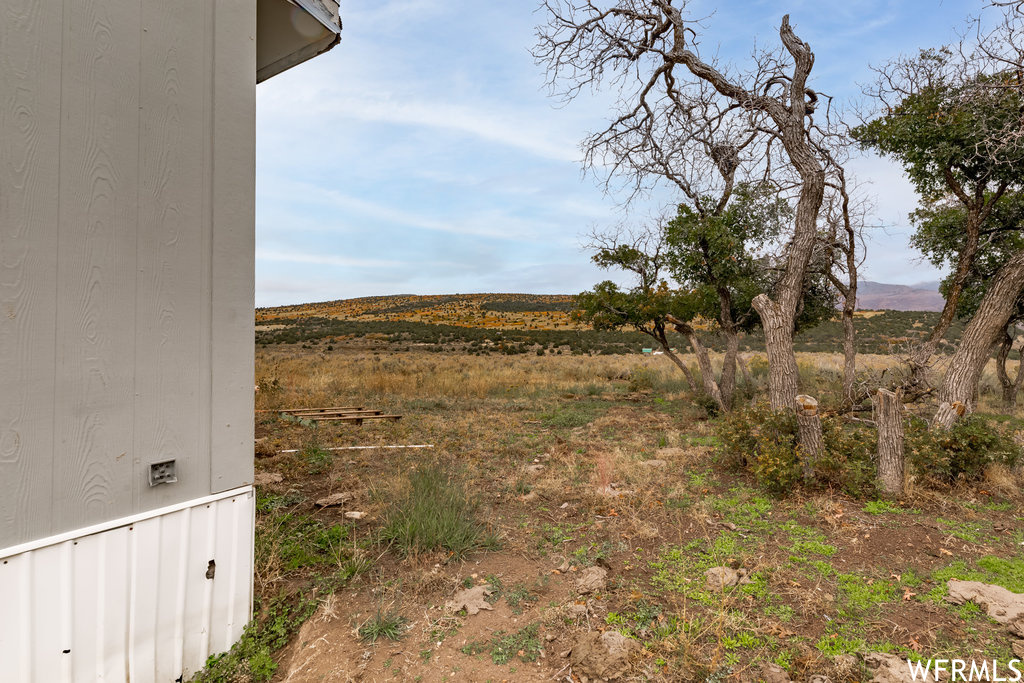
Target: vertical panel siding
(126, 256)
(132, 603)
(29, 172)
(171, 287)
(233, 248)
(98, 201)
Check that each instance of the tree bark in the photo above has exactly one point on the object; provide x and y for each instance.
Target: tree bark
(889, 418)
(707, 373)
(849, 357)
(783, 375)
(728, 377)
(660, 337)
(989, 322)
(811, 438)
(1010, 385)
(744, 369)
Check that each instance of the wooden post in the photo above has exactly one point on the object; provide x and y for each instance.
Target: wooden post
(811, 440)
(889, 418)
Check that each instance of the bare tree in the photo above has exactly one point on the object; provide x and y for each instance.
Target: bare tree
(650, 51)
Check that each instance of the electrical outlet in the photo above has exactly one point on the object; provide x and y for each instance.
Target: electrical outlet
(162, 473)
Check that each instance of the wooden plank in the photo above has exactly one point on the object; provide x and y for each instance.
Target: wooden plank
(95, 330)
(296, 411)
(29, 180)
(358, 419)
(171, 282)
(233, 243)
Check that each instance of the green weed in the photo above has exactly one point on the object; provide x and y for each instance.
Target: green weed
(437, 513)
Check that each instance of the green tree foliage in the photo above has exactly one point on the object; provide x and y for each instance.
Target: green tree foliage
(949, 131)
(939, 235)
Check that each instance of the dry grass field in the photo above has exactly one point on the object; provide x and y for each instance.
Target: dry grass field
(590, 495)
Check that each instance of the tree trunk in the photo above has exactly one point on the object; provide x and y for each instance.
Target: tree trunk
(1017, 382)
(811, 439)
(987, 324)
(1010, 385)
(849, 357)
(690, 383)
(783, 375)
(889, 418)
(744, 369)
(728, 378)
(706, 371)
(1007, 384)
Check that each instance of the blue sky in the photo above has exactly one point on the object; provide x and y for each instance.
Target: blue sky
(423, 155)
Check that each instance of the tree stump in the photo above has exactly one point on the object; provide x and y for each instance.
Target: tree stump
(889, 418)
(811, 440)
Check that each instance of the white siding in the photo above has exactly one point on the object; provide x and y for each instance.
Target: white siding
(130, 602)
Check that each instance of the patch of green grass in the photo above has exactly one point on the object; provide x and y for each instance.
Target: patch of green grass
(294, 541)
(437, 513)
(861, 594)
(573, 414)
(681, 569)
(1008, 573)
(807, 541)
(741, 640)
(965, 531)
(517, 597)
(252, 657)
(316, 459)
(644, 622)
(743, 509)
(834, 645)
(524, 644)
(884, 507)
(388, 625)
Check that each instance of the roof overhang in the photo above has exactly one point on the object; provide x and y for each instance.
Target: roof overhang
(288, 32)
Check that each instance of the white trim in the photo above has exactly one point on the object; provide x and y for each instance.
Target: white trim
(123, 521)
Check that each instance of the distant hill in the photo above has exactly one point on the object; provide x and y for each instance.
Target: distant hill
(877, 296)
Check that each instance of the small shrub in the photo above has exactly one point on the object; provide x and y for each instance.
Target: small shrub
(961, 452)
(765, 441)
(642, 379)
(382, 625)
(436, 514)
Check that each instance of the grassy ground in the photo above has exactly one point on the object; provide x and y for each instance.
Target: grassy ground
(566, 462)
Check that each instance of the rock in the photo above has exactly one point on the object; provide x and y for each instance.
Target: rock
(264, 478)
(818, 678)
(534, 469)
(528, 497)
(846, 664)
(602, 656)
(355, 515)
(1004, 606)
(592, 580)
(892, 669)
(1018, 648)
(655, 464)
(723, 577)
(576, 611)
(773, 673)
(334, 500)
(472, 600)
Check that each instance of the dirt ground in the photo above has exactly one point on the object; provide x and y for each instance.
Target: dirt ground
(584, 467)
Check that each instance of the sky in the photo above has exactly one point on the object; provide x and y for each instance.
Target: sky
(424, 154)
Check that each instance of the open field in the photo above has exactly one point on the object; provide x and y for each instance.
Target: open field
(578, 462)
(526, 323)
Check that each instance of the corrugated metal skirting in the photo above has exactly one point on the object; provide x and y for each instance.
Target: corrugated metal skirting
(146, 600)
